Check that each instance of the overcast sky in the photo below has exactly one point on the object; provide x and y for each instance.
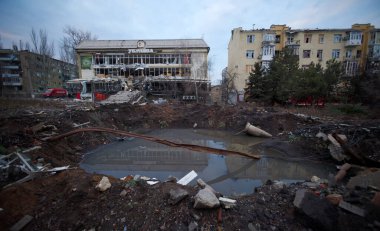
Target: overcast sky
(211, 20)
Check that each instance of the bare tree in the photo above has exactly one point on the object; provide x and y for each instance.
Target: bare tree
(40, 44)
(227, 86)
(73, 37)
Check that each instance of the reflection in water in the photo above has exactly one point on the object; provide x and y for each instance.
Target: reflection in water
(227, 174)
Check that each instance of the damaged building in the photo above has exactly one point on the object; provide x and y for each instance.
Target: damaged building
(27, 74)
(176, 68)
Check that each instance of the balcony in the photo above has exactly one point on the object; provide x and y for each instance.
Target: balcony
(292, 43)
(5, 75)
(352, 42)
(351, 58)
(12, 81)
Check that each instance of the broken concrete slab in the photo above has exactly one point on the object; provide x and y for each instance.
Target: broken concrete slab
(188, 178)
(352, 208)
(206, 199)
(176, 195)
(104, 184)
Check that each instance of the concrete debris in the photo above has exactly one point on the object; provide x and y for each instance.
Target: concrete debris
(122, 97)
(153, 181)
(336, 150)
(352, 208)
(300, 194)
(172, 179)
(364, 180)
(176, 195)
(193, 226)
(227, 203)
(315, 179)
(19, 162)
(334, 198)
(160, 101)
(188, 178)
(21, 223)
(342, 172)
(75, 125)
(203, 185)
(206, 199)
(306, 117)
(278, 184)
(322, 135)
(123, 193)
(137, 178)
(320, 211)
(145, 178)
(104, 184)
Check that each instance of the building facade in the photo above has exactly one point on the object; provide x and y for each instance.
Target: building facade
(28, 74)
(355, 47)
(161, 67)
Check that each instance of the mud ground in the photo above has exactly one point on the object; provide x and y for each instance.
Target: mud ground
(69, 201)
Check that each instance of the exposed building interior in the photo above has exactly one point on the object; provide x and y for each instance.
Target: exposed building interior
(172, 68)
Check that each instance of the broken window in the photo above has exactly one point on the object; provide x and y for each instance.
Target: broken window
(319, 54)
(278, 39)
(307, 38)
(306, 53)
(358, 53)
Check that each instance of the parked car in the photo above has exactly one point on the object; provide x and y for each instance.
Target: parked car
(55, 92)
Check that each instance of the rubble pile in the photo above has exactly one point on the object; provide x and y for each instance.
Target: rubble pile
(130, 97)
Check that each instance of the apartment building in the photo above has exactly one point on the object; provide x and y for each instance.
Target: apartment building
(356, 47)
(28, 74)
(161, 67)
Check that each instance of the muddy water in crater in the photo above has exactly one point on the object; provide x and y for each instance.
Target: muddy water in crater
(227, 174)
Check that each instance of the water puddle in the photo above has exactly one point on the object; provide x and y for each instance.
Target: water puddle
(227, 174)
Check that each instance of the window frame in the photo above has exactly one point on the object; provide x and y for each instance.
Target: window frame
(335, 53)
(337, 38)
(250, 54)
(250, 38)
(307, 53)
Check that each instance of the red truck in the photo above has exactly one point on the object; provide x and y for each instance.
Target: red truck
(55, 92)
